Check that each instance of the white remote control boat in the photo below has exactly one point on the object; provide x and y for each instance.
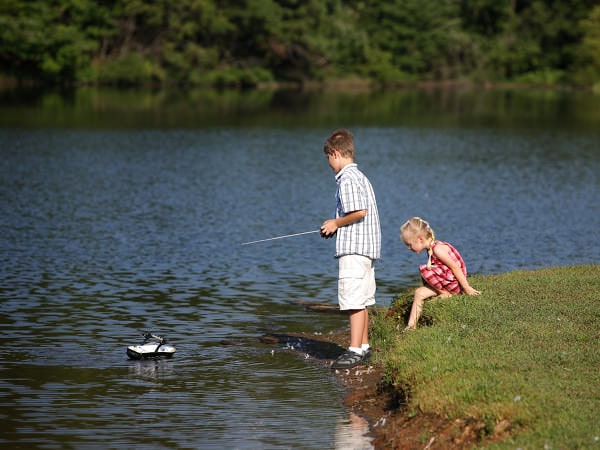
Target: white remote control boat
(154, 346)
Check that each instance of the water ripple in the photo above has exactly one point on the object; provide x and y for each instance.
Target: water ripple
(106, 235)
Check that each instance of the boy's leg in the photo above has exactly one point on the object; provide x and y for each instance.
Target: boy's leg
(354, 355)
(421, 293)
(356, 291)
(365, 337)
(359, 327)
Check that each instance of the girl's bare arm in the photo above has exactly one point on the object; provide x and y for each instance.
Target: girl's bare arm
(442, 251)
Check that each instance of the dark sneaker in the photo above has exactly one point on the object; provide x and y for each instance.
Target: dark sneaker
(347, 360)
(367, 354)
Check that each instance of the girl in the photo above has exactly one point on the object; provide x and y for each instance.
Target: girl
(445, 273)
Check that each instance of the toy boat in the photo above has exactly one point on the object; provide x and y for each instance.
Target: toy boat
(154, 346)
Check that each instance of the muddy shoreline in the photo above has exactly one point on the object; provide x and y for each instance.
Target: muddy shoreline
(382, 406)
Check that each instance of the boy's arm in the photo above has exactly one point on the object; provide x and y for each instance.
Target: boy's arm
(443, 253)
(330, 226)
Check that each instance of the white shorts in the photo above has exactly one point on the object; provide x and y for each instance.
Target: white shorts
(356, 282)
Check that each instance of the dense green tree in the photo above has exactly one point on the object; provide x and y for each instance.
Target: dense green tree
(246, 42)
(539, 40)
(423, 41)
(588, 54)
(196, 39)
(297, 40)
(49, 40)
(488, 18)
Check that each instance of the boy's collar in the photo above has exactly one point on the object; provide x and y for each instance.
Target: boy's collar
(347, 166)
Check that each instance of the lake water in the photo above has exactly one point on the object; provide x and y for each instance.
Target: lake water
(124, 212)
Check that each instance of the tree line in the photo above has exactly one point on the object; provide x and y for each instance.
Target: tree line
(252, 42)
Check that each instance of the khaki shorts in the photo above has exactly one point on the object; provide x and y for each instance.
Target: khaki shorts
(356, 282)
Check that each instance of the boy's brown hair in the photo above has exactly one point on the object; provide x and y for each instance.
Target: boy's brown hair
(342, 141)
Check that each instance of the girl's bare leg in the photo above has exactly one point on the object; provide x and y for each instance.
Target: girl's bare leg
(421, 293)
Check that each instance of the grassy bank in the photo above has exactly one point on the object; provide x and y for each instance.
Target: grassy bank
(524, 356)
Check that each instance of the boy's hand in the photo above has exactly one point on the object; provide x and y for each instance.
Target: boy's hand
(328, 228)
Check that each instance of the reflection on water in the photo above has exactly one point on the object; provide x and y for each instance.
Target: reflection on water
(197, 108)
(353, 434)
(107, 233)
(152, 369)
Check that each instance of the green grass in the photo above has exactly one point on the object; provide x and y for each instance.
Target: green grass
(527, 350)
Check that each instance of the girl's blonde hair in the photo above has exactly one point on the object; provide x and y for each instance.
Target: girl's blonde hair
(417, 227)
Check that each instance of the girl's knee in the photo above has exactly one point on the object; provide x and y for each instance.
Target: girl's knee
(419, 295)
(422, 293)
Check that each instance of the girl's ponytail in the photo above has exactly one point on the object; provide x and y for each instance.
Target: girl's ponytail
(429, 233)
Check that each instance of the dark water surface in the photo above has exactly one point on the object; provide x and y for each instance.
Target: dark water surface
(124, 212)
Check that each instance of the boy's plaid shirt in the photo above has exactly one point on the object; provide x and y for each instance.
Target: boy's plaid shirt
(354, 192)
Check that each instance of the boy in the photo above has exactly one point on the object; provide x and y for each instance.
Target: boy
(358, 244)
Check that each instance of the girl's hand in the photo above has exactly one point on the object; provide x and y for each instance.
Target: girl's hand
(471, 291)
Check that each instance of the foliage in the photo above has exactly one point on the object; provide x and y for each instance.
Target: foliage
(244, 43)
(129, 69)
(525, 351)
(588, 53)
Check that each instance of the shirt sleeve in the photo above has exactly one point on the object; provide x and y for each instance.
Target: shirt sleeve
(352, 197)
